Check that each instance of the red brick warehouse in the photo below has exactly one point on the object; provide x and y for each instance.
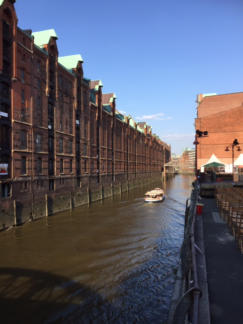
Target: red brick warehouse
(58, 131)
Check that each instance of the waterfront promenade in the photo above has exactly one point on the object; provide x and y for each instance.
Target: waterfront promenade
(224, 268)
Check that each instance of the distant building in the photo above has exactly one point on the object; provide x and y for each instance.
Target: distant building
(222, 117)
(187, 161)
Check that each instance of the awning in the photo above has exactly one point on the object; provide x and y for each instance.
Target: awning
(212, 159)
(213, 165)
(239, 160)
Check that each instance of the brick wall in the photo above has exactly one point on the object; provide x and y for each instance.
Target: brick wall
(223, 127)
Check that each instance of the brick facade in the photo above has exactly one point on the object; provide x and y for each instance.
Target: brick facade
(222, 117)
(57, 130)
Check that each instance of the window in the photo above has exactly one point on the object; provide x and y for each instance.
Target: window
(61, 124)
(85, 128)
(23, 115)
(85, 165)
(23, 165)
(22, 96)
(71, 165)
(38, 109)
(22, 75)
(70, 146)
(70, 121)
(38, 66)
(86, 99)
(4, 138)
(38, 84)
(23, 139)
(6, 189)
(61, 113)
(5, 90)
(61, 165)
(85, 149)
(60, 145)
(38, 142)
(39, 165)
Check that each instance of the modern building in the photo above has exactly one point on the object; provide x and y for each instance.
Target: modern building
(221, 117)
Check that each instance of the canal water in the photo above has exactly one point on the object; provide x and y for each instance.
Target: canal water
(112, 262)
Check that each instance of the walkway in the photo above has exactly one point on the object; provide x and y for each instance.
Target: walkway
(224, 268)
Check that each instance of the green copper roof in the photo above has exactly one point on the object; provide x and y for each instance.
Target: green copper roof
(120, 116)
(107, 108)
(132, 123)
(70, 61)
(42, 38)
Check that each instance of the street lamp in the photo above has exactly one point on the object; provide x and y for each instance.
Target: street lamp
(198, 134)
(232, 146)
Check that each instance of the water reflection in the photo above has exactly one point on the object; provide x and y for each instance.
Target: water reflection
(122, 253)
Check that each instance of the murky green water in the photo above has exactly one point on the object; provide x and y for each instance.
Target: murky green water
(112, 262)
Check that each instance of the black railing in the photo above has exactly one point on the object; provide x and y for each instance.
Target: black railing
(187, 307)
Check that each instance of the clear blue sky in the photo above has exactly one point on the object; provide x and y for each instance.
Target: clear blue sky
(156, 55)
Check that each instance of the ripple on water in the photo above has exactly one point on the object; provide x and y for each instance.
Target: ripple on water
(113, 262)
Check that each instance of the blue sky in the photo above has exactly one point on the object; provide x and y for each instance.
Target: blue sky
(155, 55)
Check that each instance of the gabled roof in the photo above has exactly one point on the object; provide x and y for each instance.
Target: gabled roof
(119, 116)
(107, 98)
(95, 84)
(70, 62)
(42, 38)
(213, 158)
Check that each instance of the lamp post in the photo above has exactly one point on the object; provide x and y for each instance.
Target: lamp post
(198, 134)
(232, 146)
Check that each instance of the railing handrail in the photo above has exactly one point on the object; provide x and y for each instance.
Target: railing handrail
(194, 290)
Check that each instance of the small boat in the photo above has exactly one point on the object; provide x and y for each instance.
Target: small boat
(155, 195)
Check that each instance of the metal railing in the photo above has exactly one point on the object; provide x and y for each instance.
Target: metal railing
(187, 307)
